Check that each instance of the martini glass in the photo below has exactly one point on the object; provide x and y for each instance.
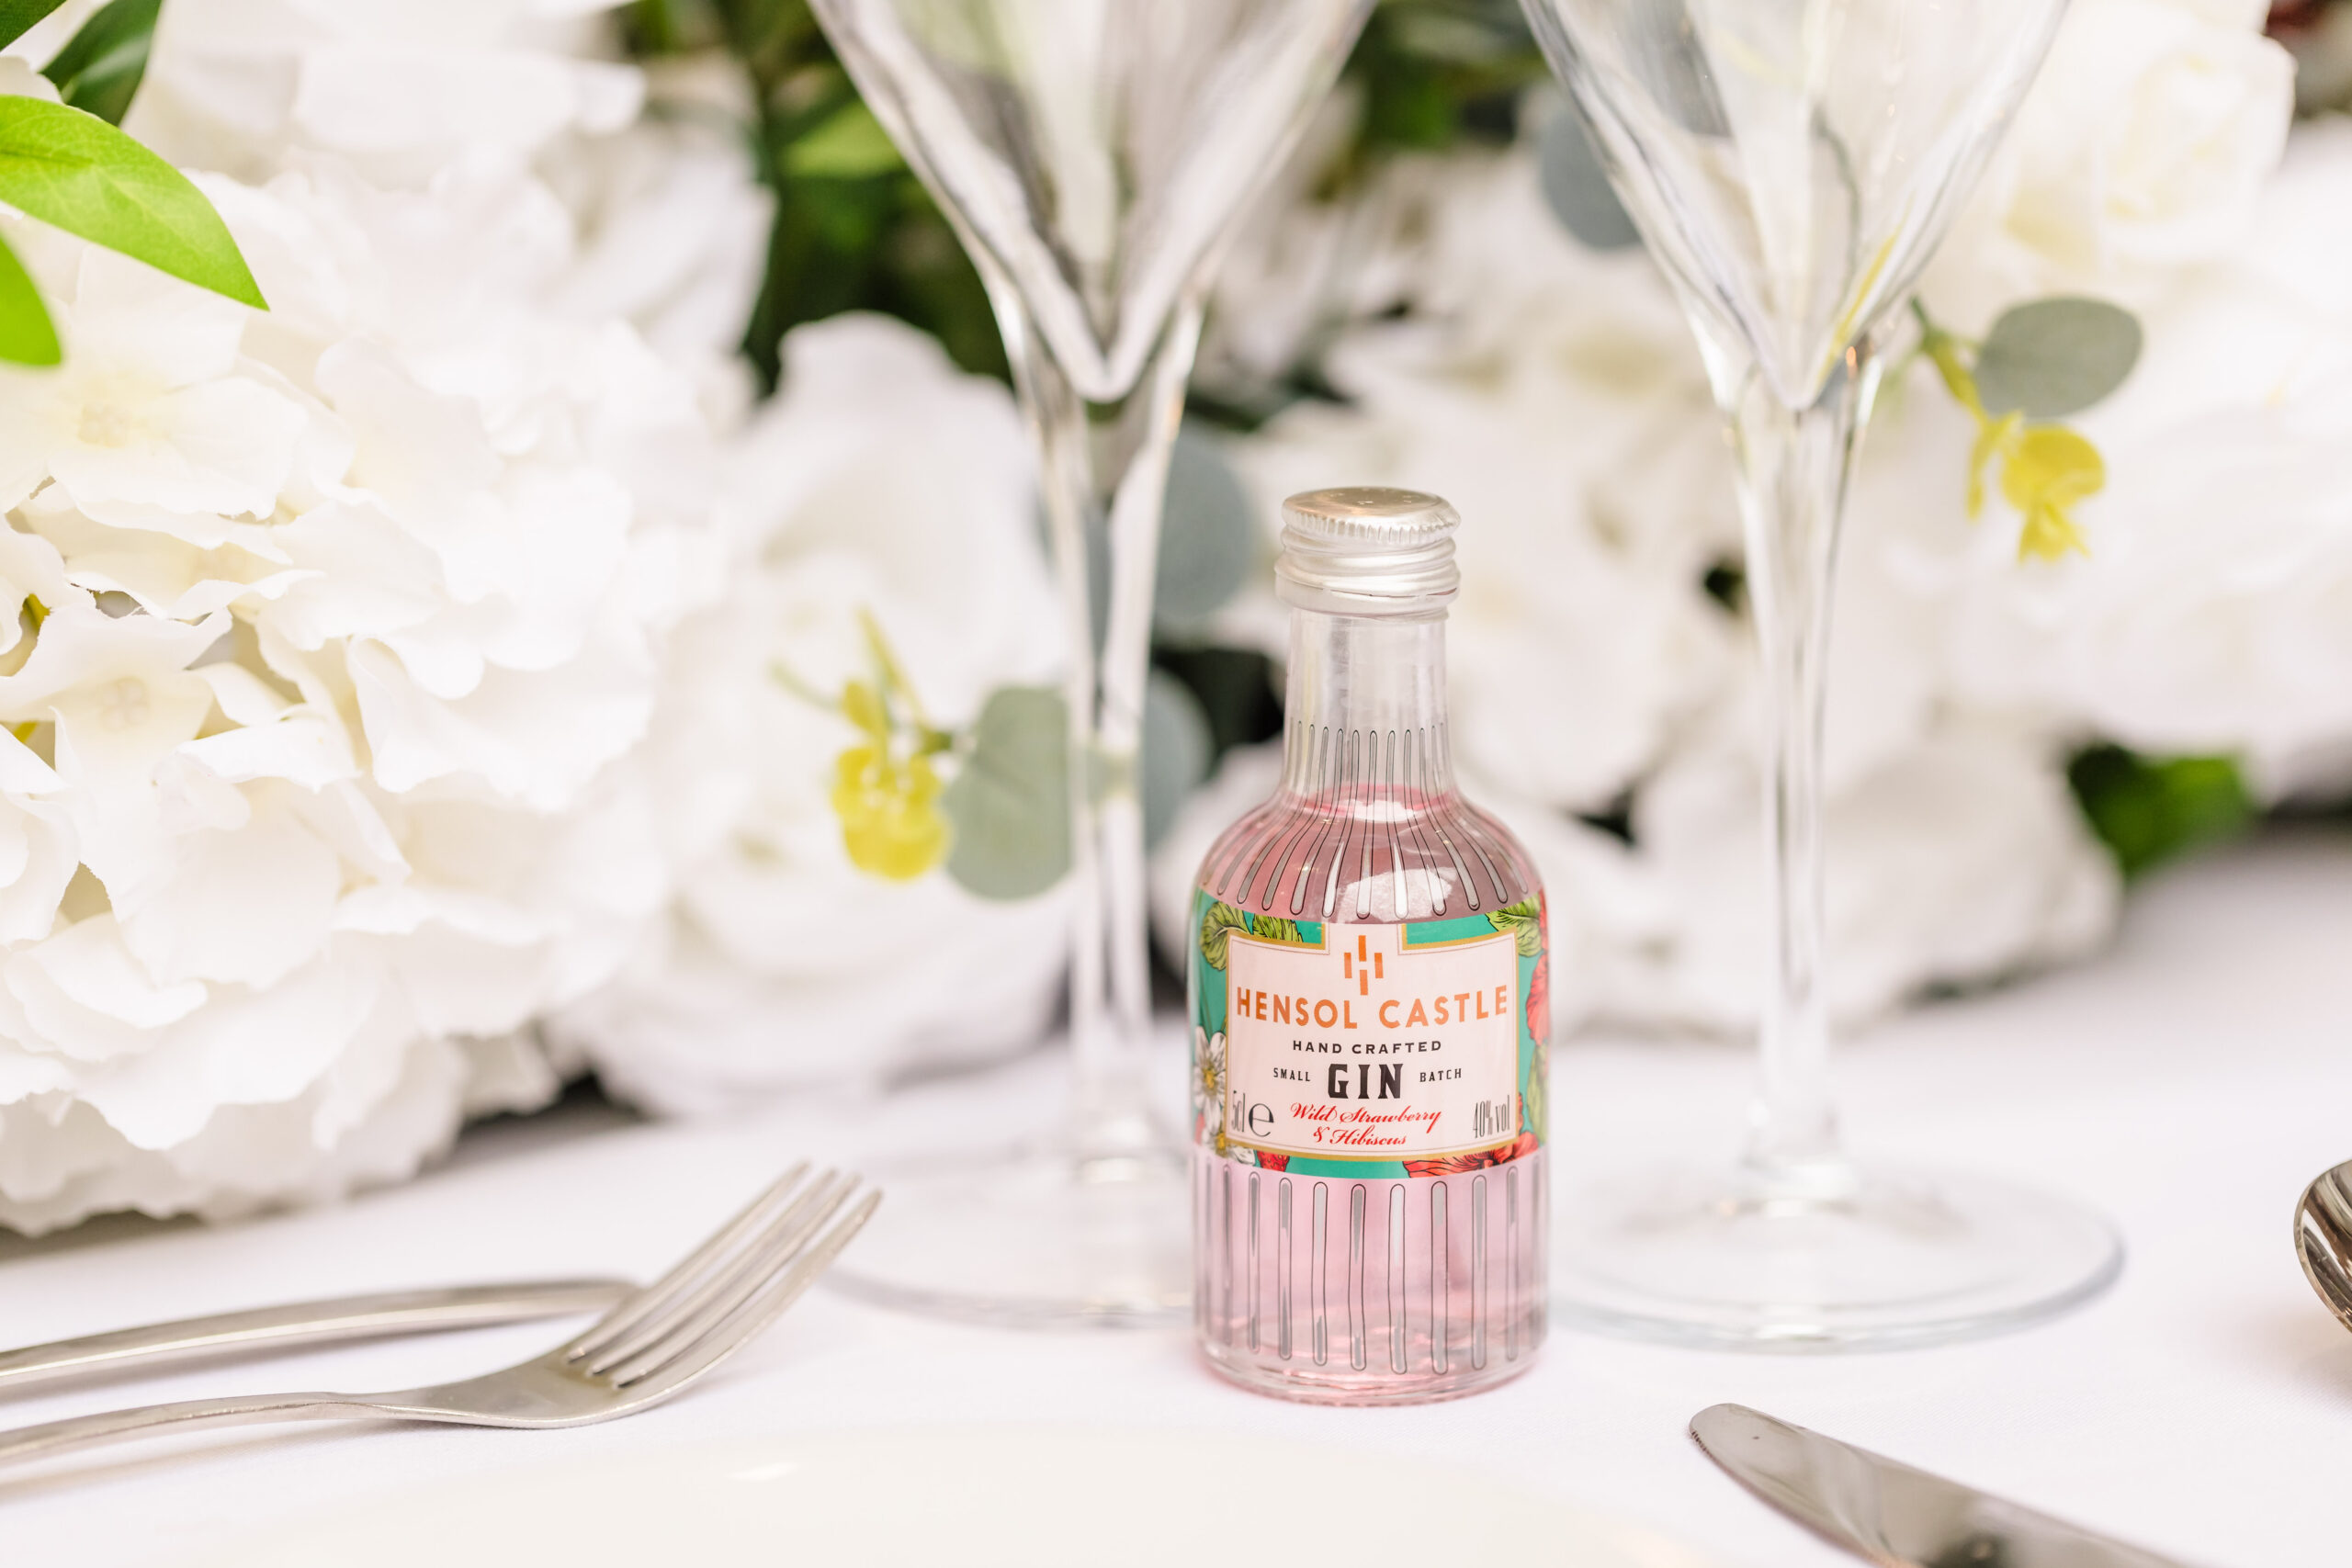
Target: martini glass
(1094, 155)
(1793, 165)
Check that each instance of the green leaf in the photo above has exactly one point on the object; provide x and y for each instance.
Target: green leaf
(2052, 358)
(1524, 922)
(1217, 924)
(100, 67)
(27, 335)
(73, 170)
(16, 17)
(1207, 542)
(1010, 802)
(1176, 747)
(849, 144)
(1576, 185)
(2147, 810)
(1273, 928)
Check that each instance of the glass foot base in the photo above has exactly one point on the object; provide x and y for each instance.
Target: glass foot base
(1875, 1261)
(1033, 1238)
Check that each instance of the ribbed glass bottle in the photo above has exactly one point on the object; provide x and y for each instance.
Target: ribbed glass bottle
(1369, 996)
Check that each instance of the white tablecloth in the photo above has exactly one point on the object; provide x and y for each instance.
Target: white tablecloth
(2189, 1084)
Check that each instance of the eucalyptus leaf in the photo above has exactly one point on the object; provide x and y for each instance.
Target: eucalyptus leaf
(1010, 802)
(1576, 186)
(1207, 542)
(100, 68)
(69, 168)
(18, 16)
(27, 335)
(1176, 750)
(2049, 359)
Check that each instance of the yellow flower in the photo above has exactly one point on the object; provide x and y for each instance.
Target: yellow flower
(2046, 470)
(889, 812)
(2049, 469)
(891, 820)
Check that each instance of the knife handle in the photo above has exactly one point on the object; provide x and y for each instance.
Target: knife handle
(265, 1329)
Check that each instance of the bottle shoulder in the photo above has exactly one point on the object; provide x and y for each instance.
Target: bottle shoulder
(1522, 862)
(1387, 855)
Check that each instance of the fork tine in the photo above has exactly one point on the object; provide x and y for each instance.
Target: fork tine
(755, 1217)
(679, 1360)
(757, 1260)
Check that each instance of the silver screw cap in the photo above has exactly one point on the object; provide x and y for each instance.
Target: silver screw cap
(1367, 550)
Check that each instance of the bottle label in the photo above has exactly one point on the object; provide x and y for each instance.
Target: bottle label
(1409, 1043)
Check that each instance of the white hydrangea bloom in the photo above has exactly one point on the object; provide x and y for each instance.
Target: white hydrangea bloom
(330, 630)
(879, 478)
(675, 227)
(399, 89)
(2138, 152)
(2210, 614)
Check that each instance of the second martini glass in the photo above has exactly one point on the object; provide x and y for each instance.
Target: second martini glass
(1093, 154)
(1793, 165)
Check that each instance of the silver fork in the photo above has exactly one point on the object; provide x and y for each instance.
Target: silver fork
(644, 1350)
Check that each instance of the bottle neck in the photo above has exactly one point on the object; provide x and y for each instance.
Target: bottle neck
(1365, 706)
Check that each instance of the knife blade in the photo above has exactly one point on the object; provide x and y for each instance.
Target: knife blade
(1890, 1513)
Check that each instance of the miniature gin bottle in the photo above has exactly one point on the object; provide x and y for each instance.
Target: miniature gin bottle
(1368, 991)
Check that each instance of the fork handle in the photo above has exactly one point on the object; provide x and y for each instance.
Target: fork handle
(186, 1416)
(299, 1323)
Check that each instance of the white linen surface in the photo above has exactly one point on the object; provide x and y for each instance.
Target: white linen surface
(2189, 1084)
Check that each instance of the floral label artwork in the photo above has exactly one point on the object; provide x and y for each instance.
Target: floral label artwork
(1395, 1042)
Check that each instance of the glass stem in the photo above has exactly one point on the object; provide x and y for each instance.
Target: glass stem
(1104, 479)
(1793, 468)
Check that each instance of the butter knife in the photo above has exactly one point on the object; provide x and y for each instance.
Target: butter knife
(1891, 1514)
(330, 1321)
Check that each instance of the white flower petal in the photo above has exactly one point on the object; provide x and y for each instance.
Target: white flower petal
(83, 993)
(127, 315)
(224, 446)
(244, 1048)
(368, 577)
(274, 880)
(39, 855)
(531, 738)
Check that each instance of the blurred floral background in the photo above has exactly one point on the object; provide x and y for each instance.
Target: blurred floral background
(594, 621)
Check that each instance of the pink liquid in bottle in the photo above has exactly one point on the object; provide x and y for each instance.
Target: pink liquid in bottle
(1368, 988)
